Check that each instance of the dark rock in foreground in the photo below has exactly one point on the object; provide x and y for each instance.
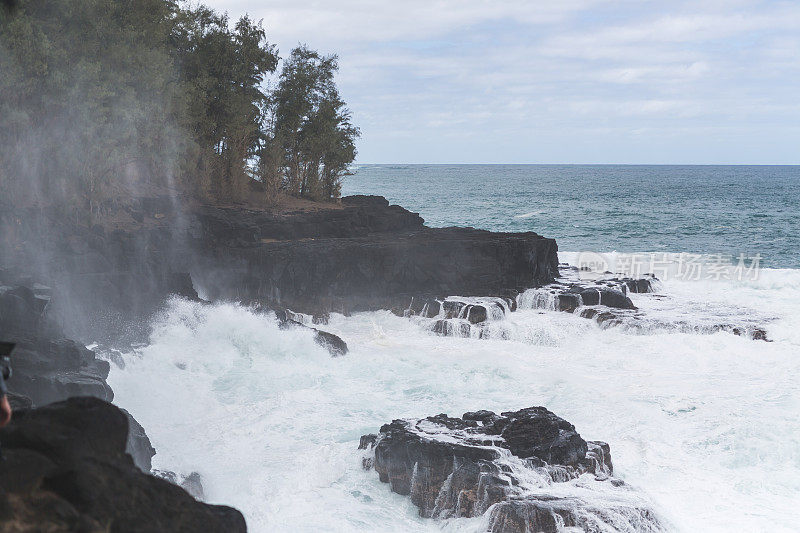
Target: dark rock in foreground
(47, 366)
(529, 470)
(66, 470)
(193, 483)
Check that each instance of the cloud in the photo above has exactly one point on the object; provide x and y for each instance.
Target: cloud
(425, 79)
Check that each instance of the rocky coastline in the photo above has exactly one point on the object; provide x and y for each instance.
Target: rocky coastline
(67, 446)
(361, 255)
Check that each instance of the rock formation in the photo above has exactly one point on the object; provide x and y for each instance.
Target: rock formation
(66, 469)
(363, 254)
(529, 470)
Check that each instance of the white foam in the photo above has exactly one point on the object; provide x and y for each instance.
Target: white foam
(705, 425)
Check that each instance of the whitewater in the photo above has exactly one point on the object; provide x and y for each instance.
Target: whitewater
(703, 425)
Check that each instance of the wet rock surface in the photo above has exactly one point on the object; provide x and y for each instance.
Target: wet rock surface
(333, 343)
(67, 469)
(367, 255)
(529, 470)
(47, 366)
(603, 299)
(361, 255)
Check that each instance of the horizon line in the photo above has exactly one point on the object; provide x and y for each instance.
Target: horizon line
(595, 164)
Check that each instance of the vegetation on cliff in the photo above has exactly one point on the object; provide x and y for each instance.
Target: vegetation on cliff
(103, 99)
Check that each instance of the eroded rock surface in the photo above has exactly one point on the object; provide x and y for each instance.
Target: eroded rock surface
(47, 366)
(528, 470)
(333, 343)
(67, 469)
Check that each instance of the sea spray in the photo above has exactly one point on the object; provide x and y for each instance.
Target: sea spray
(703, 424)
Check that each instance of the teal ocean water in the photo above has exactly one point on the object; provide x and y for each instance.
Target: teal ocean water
(727, 210)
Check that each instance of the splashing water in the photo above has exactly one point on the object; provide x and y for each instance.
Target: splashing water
(703, 425)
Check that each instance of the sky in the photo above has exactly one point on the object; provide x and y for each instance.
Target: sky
(557, 81)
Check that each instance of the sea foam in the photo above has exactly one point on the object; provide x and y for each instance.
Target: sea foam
(704, 425)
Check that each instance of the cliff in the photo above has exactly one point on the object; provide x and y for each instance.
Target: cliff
(368, 255)
(362, 254)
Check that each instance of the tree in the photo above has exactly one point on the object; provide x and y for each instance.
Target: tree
(111, 99)
(223, 71)
(312, 125)
(86, 99)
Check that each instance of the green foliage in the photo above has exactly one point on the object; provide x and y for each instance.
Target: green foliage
(312, 126)
(103, 99)
(87, 87)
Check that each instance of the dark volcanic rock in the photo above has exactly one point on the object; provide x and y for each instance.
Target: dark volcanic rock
(333, 343)
(47, 366)
(529, 467)
(603, 296)
(361, 255)
(536, 432)
(66, 470)
(367, 255)
(138, 445)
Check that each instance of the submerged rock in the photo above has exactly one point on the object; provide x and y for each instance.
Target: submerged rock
(333, 343)
(67, 469)
(529, 469)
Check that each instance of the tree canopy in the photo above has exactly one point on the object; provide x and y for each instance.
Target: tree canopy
(100, 99)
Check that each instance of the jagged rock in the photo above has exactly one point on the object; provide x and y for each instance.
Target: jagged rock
(536, 432)
(66, 470)
(193, 483)
(333, 343)
(47, 366)
(514, 463)
(138, 445)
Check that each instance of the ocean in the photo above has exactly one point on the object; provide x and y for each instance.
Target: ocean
(702, 423)
(728, 210)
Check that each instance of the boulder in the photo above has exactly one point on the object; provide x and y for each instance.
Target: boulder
(603, 296)
(520, 466)
(536, 432)
(333, 343)
(66, 469)
(47, 366)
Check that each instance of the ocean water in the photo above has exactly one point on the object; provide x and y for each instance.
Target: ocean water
(703, 425)
(627, 208)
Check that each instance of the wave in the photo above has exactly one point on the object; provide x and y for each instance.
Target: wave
(704, 425)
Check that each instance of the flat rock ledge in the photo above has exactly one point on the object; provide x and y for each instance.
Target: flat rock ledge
(604, 300)
(523, 471)
(66, 469)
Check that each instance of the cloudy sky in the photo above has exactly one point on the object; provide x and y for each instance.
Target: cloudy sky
(557, 81)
